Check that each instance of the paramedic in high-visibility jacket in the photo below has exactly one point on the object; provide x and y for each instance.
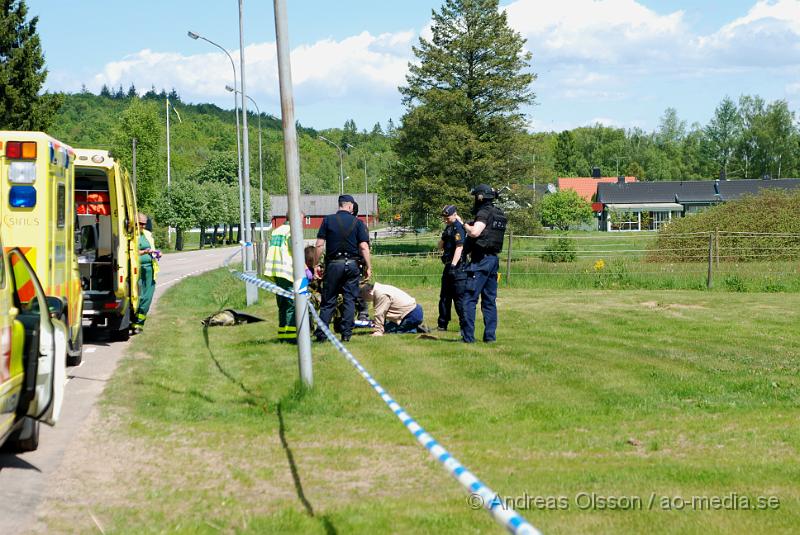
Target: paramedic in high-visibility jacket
(278, 267)
(148, 272)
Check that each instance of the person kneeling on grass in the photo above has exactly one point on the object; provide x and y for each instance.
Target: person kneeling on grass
(396, 312)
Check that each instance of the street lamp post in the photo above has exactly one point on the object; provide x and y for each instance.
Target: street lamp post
(341, 163)
(196, 36)
(251, 289)
(169, 163)
(260, 170)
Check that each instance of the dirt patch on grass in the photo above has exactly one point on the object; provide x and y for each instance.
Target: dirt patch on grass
(672, 306)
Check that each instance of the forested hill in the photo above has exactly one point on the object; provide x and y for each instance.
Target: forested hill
(747, 138)
(205, 133)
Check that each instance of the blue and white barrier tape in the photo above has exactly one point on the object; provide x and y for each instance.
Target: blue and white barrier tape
(486, 497)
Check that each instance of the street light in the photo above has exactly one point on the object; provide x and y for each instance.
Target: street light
(260, 171)
(169, 164)
(341, 163)
(196, 36)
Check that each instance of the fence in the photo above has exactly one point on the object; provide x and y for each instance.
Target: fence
(735, 261)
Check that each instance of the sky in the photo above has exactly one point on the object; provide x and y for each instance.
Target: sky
(617, 62)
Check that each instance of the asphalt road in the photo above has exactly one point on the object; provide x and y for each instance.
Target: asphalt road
(24, 477)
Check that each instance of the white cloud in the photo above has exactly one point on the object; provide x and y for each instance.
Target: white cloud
(364, 64)
(767, 36)
(610, 31)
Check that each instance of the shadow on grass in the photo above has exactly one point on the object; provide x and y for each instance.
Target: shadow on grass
(297, 393)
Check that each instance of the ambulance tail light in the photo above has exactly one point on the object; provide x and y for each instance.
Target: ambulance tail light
(22, 197)
(21, 150)
(22, 172)
(111, 305)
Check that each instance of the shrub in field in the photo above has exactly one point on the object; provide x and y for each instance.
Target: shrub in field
(561, 250)
(741, 225)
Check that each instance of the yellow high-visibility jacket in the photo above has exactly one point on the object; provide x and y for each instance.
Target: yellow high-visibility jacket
(279, 254)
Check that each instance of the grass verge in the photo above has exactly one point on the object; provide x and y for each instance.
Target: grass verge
(612, 394)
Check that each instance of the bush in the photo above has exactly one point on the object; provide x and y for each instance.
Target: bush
(770, 212)
(561, 250)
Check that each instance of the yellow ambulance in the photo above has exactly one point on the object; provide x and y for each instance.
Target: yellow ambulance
(37, 211)
(105, 202)
(33, 346)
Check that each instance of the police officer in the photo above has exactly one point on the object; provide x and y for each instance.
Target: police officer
(484, 241)
(344, 240)
(453, 276)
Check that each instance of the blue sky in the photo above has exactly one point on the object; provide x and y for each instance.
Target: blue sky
(619, 62)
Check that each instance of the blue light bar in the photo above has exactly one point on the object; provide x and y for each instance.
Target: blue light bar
(22, 197)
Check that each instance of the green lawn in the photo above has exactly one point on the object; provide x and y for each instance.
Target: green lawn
(619, 393)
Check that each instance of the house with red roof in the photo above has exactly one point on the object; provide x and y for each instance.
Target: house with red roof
(586, 186)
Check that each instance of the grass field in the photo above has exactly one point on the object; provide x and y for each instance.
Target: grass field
(602, 260)
(646, 394)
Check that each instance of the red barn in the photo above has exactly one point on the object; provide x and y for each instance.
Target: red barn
(316, 207)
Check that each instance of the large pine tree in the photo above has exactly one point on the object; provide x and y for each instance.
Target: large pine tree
(22, 72)
(463, 125)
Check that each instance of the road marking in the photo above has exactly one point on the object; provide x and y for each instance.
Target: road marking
(88, 350)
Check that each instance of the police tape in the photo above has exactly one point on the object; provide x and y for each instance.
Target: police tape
(489, 499)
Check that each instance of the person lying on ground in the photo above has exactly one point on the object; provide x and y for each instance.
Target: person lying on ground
(395, 311)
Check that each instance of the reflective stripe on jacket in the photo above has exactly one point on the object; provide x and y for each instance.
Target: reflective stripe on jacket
(279, 256)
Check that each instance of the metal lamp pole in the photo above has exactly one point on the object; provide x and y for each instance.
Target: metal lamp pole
(260, 170)
(252, 291)
(196, 36)
(341, 163)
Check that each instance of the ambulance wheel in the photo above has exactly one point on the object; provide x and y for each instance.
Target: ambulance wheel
(75, 354)
(26, 438)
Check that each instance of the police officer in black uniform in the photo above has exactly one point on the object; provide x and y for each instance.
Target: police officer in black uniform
(344, 240)
(484, 241)
(453, 276)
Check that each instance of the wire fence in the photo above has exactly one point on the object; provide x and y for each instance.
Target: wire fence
(728, 260)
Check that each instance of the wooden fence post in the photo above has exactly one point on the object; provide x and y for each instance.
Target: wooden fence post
(716, 245)
(508, 259)
(710, 280)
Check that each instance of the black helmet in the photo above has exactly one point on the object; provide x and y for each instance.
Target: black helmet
(483, 191)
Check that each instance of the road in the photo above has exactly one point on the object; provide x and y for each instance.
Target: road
(24, 477)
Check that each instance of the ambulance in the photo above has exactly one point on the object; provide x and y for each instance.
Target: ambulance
(33, 350)
(37, 215)
(105, 206)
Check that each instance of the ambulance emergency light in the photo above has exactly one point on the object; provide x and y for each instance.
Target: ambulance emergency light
(22, 172)
(21, 150)
(22, 197)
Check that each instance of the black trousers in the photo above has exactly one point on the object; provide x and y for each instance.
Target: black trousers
(452, 292)
(340, 278)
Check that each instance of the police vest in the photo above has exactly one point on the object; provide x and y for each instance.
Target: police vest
(491, 239)
(279, 256)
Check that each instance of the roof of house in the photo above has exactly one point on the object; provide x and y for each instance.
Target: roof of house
(687, 191)
(316, 205)
(586, 187)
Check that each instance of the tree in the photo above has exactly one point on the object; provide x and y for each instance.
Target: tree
(462, 125)
(131, 91)
(105, 91)
(349, 134)
(181, 207)
(220, 167)
(22, 72)
(565, 154)
(565, 208)
(141, 121)
(722, 133)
